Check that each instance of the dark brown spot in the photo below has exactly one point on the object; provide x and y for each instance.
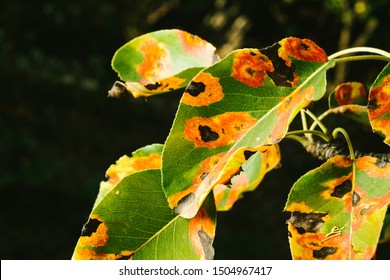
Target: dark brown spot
(252, 53)
(342, 189)
(195, 88)
(380, 163)
(355, 199)
(207, 244)
(304, 46)
(282, 75)
(248, 154)
(204, 175)
(324, 252)
(154, 86)
(307, 222)
(365, 210)
(250, 71)
(183, 202)
(373, 104)
(206, 134)
(90, 227)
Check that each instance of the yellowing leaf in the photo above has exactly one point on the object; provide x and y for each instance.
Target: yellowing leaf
(148, 157)
(160, 62)
(379, 104)
(337, 210)
(252, 173)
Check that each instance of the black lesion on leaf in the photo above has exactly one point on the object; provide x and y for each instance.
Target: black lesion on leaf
(282, 75)
(183, 202)
(342, 189)
(373, 104)
(207, 244)
(355, 199)
(195, 88)
(304, 46)
(324, 252)
(204, 175)
(90, 227)
(248, 154)
(307, 222)
(206, 134)
(229, 182)
(154, 86)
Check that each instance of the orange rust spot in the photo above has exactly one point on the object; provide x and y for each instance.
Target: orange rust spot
(307, 246)
(217, 131)
(373, 167)
(303, 49)
(128, 165)
(196, 46)
(289, 105)
(201, 223)
(203, 90)
(352, 92)
(379, 106)
(174, 199)
(250, 67)
(300, 207)
(98, 238)
(157, 63)
(89, 254)
(332, 184)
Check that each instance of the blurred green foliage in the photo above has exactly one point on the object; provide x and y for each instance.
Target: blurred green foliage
(59, 132)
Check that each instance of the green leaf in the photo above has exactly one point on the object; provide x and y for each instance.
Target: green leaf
(242, 104)
(160, 62)
(134, 221)
(379, 104)
(337, 210)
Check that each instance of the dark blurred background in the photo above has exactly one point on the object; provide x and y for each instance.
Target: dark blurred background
(59, 131)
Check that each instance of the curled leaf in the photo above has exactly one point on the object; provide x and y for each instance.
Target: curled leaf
(148, 157)
(160, 62)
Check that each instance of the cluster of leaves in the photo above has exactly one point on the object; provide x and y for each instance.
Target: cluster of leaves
(162, 202)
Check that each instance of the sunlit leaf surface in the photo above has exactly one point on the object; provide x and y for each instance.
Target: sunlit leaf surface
(379, 104)
(238, 106)
(160, 61)
(133, 221)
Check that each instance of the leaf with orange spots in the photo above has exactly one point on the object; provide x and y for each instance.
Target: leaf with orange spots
(350, 100)
(160, 62)
(379, 104)
(252, 173)
(148, 157)
(338, 209)
(133, 221)
(240, 105)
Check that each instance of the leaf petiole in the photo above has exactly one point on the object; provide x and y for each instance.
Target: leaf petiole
(323, 135)
(339, 130)
(379, 52)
